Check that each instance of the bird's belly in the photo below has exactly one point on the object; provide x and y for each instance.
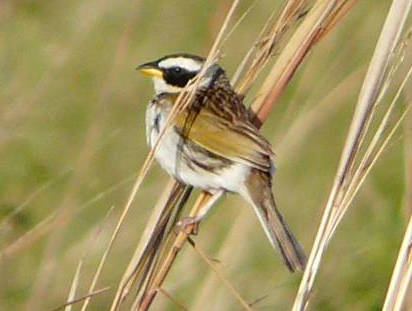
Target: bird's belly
(178, 164)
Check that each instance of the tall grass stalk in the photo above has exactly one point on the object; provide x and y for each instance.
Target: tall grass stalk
(80, 299)
(73, 288)
(221, 277)
(408, 159)
(402, 274)
(373, 82)
(374, 150)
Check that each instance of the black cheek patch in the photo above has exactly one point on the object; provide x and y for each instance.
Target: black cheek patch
(179, 79)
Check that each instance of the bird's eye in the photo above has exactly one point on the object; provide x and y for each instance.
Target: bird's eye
(177, 76)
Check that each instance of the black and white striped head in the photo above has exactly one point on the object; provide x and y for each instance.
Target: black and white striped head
(171, 73)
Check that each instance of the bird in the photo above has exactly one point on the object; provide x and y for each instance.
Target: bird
(213, 145)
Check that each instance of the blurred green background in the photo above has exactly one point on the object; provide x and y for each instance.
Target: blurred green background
(72, 139)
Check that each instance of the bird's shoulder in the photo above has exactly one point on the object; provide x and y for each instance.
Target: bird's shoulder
(221, 122)
(220, 98)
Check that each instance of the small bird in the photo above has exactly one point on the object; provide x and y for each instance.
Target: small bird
(213, 145)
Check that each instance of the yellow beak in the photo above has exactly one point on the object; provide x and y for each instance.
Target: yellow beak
(151, 70)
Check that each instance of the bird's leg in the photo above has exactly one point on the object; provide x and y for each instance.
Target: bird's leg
(195, 220)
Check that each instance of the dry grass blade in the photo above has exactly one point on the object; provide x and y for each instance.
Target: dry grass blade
(144, 241)
(402, 274)
(155, 236)
(171, 298)
(396, 59)
(319, 17)
(247, 58)
(100, 266)
(369, 158)
(407, 210)
(267, 43)
(220, 275)
(72, 302)
(160, 276)
(238, 22)
(408, 160)
(369, 93)
(132, 195)
(230, 249)
(75, 281)
(74, 286)
(341, 9)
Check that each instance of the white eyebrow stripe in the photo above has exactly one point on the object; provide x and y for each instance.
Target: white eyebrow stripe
(185, 63)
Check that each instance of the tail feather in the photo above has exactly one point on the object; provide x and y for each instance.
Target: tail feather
(260, 195)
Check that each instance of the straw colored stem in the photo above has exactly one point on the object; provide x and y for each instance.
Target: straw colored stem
(73, 288)
(408, 160)
(370, 157)
(368, 95)
(149, 229)
(177, 245)
(221, 277)
(401, 274)
(77, 300)
(291, 57)
(172, 299)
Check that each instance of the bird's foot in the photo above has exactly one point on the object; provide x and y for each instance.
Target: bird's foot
(189, 224)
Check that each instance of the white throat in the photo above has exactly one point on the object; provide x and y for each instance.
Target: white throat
(161, 86)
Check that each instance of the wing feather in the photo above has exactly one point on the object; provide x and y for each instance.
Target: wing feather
(232, 140)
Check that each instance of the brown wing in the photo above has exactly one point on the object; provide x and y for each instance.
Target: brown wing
(219, 122)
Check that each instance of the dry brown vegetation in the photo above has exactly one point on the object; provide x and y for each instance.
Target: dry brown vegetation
(265, 73)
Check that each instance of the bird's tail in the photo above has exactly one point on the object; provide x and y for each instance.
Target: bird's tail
(259, 194)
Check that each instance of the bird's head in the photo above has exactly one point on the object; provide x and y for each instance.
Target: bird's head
(171, 73)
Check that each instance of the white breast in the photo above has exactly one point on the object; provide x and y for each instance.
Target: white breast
(168, 156)
(166, 153)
